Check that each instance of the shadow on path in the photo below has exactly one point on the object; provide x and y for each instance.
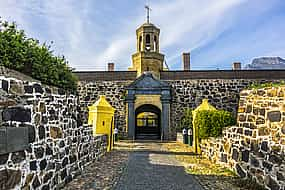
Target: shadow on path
(151, 168)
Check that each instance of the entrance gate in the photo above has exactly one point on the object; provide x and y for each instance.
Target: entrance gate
(157, 122)
(148, 122)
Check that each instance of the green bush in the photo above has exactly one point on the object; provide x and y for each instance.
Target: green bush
(186, 120)
(211, 123)
(27, 55)
(265, 85)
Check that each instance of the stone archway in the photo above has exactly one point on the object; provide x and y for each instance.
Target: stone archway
(148, 122)
(147, 90)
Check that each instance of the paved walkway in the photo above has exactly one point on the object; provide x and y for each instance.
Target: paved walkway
(149, 167)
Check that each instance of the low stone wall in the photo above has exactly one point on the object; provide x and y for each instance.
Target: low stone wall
(59, 147)
(255, 148)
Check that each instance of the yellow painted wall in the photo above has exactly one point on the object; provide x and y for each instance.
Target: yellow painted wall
(148, 99)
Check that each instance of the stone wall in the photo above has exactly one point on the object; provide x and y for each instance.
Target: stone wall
(222, 93)
(255, 148)
(115, 92)
(58, 148)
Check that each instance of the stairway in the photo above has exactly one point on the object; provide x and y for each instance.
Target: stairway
(147, 136)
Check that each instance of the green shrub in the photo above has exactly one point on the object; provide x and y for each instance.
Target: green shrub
(27, 55)
(211, 123)
(265, 85)
(186, 120)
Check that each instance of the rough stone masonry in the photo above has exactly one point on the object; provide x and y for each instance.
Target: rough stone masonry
(59, 146)
(188, 90)
(255, 148)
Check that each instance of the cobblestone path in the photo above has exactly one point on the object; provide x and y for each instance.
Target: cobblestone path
(150, 167)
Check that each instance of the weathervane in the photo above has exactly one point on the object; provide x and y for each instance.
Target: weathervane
(148, 9)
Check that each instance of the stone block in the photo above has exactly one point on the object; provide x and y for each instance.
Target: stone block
(43, 164)
(38, 88)
(28, 89)
(264, 146)
(33, 165)
(31, 133)
(42, 107)
(254, 161)
(39, 152)
(260, 121)
(248, 109)
(263, 131)
(61, 91)
(36, 182)
(251, 118)
(37, 119)
(224, 158)
(55, 132)
(275, 149)
(49, 150)
(5, 85)
(16, 88)
(63, 174)
(241, 118)
(28, 180)
(248, 132)
(271, 183)
(7, 103)
(64, 162)
(245, 155)
(20, 114)
(18, 157)
(235, 154)
(42, 132)
(261, 92)
(45, 187)
(274, 116)
(240, 171)
(276, 159)
(254, 146)
(283, 129)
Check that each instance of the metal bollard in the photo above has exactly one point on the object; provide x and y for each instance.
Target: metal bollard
(185, 136)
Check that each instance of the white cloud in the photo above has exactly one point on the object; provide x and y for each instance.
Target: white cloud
(86, 33)
(181, 21)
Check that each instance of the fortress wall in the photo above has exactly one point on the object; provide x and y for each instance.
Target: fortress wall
(221, 87)
(221, 93)
(115, 91)
(255, 148)
(42, 142)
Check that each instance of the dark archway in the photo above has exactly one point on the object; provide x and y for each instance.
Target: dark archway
(148, 122)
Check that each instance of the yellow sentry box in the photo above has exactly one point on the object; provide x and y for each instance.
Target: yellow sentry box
(205, 105)
(101, 117)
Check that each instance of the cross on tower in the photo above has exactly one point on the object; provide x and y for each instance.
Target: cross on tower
(148, 9)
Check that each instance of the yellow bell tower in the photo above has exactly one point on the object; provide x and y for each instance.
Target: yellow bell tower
(147, 57)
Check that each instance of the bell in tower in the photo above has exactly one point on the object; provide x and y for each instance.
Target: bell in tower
(147, 57)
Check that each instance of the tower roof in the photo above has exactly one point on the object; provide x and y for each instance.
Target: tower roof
(147, 26)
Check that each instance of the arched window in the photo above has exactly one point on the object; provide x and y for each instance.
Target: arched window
(155, 44)
(147, 39)
(140, 43)
(147, 42)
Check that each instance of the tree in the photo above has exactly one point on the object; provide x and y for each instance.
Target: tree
(27, 55)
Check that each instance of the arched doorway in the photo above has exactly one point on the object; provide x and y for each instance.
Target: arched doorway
(148, 122)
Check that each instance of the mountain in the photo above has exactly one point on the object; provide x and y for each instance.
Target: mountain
(266, 63)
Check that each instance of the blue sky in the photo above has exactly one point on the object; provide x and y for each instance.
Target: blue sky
(91, 33)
